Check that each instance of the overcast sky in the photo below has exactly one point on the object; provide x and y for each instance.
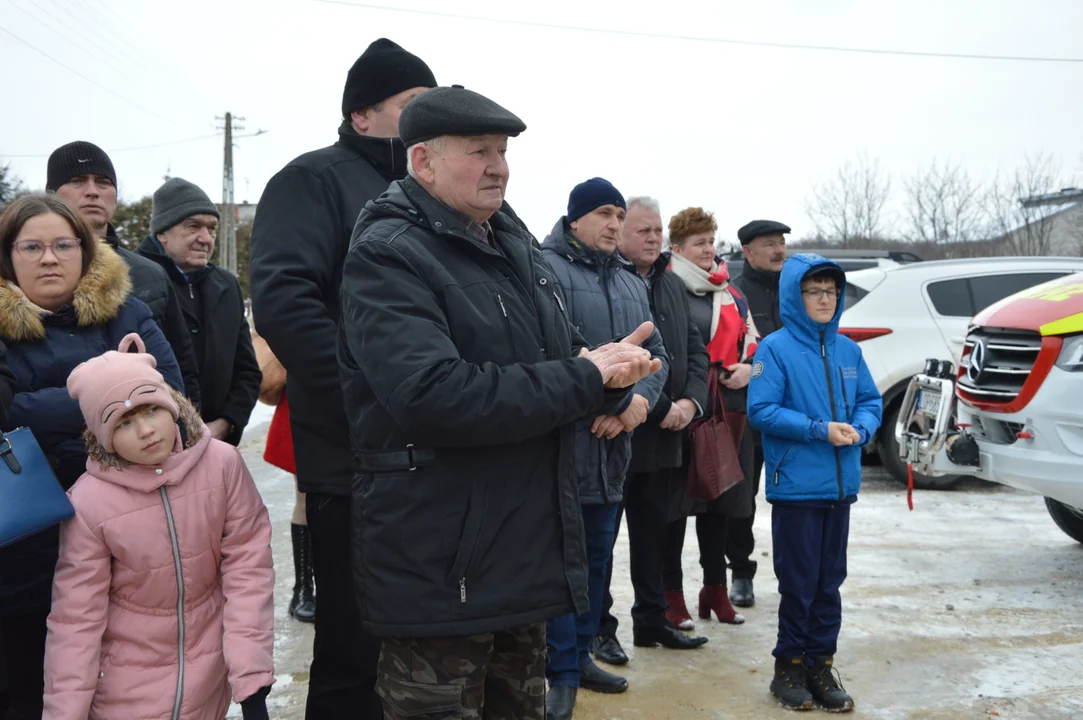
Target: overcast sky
(742, 131)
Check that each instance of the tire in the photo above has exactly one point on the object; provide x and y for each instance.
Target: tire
(889, 455)
(1067, 518)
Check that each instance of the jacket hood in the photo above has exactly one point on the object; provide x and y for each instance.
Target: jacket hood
(192, 438)
(563, 241)
(792, 306)
(98, 298)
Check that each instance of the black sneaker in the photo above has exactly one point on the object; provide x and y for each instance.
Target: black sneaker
(790, 686)
(826, 686)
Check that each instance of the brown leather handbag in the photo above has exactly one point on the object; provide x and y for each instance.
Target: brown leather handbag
(715, 466)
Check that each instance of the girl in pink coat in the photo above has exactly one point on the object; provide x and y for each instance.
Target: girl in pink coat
(162, 598)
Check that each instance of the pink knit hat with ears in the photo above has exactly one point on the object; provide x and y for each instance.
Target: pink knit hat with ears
(113, 383)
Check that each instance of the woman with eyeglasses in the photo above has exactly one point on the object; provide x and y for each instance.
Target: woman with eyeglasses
(723, 319)
(64, 299)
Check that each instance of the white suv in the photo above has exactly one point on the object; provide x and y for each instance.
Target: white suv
(904, 315)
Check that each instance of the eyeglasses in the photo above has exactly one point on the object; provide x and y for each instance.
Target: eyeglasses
(821, 293)
(34, 250)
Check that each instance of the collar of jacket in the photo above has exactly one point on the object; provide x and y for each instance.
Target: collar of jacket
(387, 155)
(111, 235)
(151, 249)
(190, 444)
(767, 278)
(564, 242)
(98, 298)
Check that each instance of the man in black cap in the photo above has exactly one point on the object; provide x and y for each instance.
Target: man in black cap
(301, 233)
(183, 226)
(81, 174)
(763, 243)
(463, 379)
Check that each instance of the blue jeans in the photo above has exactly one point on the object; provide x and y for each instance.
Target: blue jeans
(569, 637)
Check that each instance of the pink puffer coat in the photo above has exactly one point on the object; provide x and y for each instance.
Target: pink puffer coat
(114, 636)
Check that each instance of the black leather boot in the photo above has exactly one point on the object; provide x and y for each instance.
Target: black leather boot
(790, 685)
(560, 703)
(303, 602)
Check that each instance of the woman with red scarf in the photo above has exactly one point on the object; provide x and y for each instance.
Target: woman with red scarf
(722, 315)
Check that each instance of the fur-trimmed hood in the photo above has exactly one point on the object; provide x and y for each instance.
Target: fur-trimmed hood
(98, 298)
(192, 431)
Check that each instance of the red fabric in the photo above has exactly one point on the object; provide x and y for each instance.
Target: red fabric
(279, 449)
(725, 346)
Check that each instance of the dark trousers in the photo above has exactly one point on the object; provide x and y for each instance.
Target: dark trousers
(810, 563)
(22, 642)
(711, 533)
(569, 637)
(645, 505)
(342, 679)
(493, 676)
(740, 540)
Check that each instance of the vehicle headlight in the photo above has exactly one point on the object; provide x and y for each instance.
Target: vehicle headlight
(1071, 354)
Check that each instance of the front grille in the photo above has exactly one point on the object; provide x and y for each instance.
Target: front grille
(996, 363)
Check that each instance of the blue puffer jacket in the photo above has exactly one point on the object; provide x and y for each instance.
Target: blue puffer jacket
(805, 376)
(605, 302)
(42, 350)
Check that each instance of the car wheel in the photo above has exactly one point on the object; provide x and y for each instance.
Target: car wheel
(889, 455)
(1067, 518)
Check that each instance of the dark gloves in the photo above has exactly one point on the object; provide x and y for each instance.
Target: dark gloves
(254, 707)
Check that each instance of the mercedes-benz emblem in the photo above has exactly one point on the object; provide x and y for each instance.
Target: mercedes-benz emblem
(977, 361)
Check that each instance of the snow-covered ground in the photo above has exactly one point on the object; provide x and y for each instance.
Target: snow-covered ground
(971, 606)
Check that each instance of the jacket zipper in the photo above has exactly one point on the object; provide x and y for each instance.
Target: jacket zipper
(507, 324)
(779, 466)
(191, 293)
(845, 398)
(831, 401)
(180, 602)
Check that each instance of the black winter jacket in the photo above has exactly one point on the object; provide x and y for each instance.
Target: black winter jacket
(457, 359)
(299, 241)
(761, 290)
(652, 447)
(150, 284)
(7, 387)
(213, 307)
(605, 303)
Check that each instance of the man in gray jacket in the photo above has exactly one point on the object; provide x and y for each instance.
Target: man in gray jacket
(605, 302)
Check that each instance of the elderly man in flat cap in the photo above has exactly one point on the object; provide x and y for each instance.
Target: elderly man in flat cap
(763, 243)
(299, 240)
(463, 380)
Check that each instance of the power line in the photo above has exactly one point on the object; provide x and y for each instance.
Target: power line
(92, 81)
(147, 58)
(146, 147)
(694, 38)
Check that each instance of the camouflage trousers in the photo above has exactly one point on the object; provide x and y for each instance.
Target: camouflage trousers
(495, 676)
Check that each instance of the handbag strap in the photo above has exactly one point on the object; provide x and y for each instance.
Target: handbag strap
(8, 453)
(718, 407)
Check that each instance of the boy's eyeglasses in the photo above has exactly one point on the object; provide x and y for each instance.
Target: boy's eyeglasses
(821, 293)
(33, 250)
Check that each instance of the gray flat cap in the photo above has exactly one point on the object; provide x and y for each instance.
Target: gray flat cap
(454, 111)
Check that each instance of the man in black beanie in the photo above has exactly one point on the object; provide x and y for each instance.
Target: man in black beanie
(299, 241)
(81, 174)
(183, 229)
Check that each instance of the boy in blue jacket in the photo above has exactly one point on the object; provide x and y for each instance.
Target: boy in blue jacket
(814, 401)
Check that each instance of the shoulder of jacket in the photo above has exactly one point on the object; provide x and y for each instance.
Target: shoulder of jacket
(318, 163)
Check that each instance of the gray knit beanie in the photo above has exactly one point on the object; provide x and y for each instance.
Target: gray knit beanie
(177, 200)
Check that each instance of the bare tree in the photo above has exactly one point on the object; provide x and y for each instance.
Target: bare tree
(11, 186)
(944, 205)
(848, 207)
(1021, 215)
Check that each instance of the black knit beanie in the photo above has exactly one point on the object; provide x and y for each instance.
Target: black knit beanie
(176, 201)
(75, 159)
(383, 70)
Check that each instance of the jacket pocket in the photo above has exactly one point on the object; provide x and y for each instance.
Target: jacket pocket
(468, 540)
(421, 700)
(507, 326)
(779, 464)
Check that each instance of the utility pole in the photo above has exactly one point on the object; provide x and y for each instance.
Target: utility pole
(227, 237)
